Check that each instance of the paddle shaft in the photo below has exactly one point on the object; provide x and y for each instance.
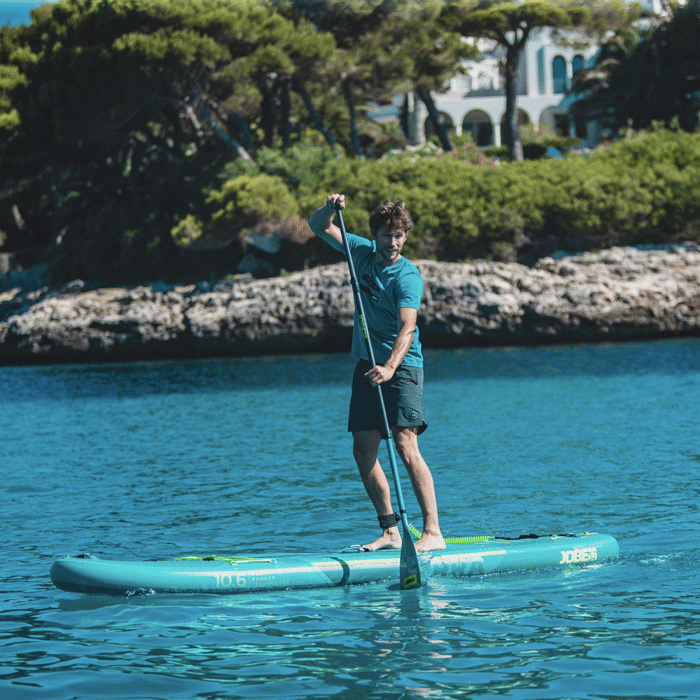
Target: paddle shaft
(407, 544)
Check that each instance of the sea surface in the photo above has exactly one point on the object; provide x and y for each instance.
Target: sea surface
(251, 456)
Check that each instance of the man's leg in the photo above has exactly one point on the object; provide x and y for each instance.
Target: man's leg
(365, 447)
(422, 481)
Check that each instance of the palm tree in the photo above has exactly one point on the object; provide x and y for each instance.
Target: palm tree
(645, 75)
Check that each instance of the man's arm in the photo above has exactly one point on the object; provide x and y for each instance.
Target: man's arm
(321, 221)
(407, 328)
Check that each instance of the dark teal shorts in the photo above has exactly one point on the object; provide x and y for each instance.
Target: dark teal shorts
(403, 399)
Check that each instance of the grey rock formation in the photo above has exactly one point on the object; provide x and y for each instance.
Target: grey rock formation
(617, 294)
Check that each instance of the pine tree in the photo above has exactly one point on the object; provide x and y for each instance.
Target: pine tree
(510, 25)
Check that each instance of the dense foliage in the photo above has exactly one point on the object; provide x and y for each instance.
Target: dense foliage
(144, 139)
(116, 116)
(640, 190)
(647, 73)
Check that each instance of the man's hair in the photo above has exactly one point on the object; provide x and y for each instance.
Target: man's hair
(393, 215)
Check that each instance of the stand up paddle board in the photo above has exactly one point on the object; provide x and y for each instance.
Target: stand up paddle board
(475, 556)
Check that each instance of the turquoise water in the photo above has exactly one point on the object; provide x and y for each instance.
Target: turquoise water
(251, 456)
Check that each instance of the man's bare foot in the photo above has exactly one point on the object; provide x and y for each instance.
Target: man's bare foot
(428, 543)
(390, 539)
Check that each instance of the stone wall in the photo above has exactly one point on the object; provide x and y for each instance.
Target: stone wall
(617, 294)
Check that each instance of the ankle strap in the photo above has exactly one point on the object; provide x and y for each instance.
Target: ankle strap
(387, 521)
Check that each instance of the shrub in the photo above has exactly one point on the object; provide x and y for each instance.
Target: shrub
(246, 200)
(187, 231)
(642, 189)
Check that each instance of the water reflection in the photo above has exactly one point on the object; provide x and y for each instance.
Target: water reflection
(450, 637)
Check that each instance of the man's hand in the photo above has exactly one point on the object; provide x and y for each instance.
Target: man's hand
(321, 221)
(379, 374)
(336, 201)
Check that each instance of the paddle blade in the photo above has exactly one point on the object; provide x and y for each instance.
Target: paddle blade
(409, 568)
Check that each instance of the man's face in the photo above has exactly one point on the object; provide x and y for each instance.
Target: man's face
(389, 246)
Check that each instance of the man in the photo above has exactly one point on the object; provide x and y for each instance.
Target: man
(391, 289)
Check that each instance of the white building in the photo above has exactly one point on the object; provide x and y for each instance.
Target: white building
(476, 101)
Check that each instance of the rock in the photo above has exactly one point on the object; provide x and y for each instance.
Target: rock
(616, 294)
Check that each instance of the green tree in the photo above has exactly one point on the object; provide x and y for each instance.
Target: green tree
(438, 53)
(645, 74)
(114, 114)
(510, 25)
(387, 47)
(282, 53)
(369, 64)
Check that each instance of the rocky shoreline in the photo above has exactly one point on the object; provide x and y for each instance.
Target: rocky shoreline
(615, 294)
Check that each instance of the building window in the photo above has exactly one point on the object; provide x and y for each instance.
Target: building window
(561, 124)
(542, 83)
(577, 64)
(478, 124)
(559, 75)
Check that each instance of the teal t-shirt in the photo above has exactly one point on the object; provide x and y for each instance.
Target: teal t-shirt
(384, 291)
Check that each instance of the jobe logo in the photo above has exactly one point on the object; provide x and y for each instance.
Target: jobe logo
(579, 554)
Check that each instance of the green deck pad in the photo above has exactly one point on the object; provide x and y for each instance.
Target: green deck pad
(231, 560)
(455, 540)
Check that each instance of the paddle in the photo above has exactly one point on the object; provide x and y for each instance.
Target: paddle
(409, 569)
